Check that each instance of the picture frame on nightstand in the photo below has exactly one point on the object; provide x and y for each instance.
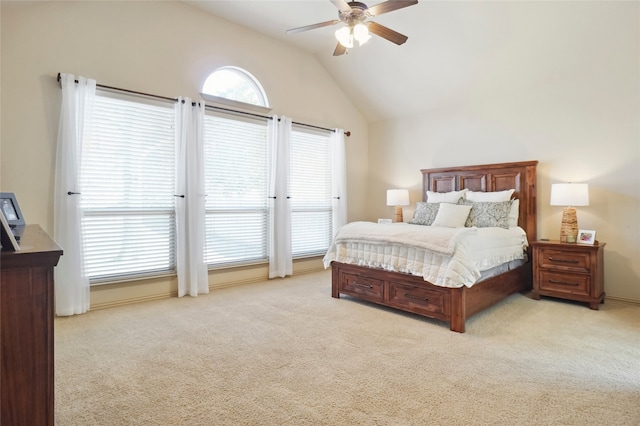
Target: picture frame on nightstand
(586, 236)
(8, 241)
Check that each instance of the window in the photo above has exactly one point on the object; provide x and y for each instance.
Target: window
(127, 181)
(235, 87)
(237, 188)
(310, 189)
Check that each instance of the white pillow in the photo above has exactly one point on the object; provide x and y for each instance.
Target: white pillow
(451, 215)
(514, 213)
(445, 197)
(489, 196)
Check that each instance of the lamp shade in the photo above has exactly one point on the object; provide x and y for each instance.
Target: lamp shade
(569, 194)
(397, 197)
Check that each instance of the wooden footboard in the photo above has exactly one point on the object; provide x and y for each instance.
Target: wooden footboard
(412, 294)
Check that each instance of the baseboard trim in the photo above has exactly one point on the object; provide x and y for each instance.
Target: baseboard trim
(622, 299)
(128, 293)
(229, 284)
(131, 301)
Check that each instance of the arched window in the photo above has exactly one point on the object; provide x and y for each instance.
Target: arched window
(235, 86)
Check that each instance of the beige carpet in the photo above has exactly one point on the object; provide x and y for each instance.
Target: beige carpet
(284, 352)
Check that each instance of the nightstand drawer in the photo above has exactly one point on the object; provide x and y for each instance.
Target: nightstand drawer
(416, 298)
(363, 287)
(577, 261)
(564, 283)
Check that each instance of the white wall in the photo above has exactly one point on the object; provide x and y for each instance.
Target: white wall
(566, 93)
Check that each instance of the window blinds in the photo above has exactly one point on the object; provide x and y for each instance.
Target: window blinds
(236, 184)
(310, 191)
(127, 179)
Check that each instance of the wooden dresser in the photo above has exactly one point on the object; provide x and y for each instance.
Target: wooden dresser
(569, 271)
(26, 336)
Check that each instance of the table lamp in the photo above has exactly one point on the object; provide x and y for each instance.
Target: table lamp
(569, 195)
(398, 198)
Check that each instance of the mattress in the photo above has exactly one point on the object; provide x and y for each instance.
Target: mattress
(448, 257)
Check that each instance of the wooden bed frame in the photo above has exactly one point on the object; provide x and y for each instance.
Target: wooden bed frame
(454, 305)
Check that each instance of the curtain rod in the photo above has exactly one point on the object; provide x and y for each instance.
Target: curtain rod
(102, 86)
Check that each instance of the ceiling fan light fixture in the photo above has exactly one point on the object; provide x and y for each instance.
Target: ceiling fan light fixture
(345, 37)
(361, 33)
(354, 15)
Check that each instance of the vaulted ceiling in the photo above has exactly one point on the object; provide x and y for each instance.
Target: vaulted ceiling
(453, 48)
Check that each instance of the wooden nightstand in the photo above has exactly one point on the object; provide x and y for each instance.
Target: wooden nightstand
(569, 271)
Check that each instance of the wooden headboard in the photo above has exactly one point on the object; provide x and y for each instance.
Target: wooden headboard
(520, 176)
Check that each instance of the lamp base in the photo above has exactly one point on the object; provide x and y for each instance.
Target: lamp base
(569, 226)
(397, 217)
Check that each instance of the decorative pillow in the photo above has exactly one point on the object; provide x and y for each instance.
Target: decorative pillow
(452, 215)
(488, 214)
(489, 196)
(445, 197)
(515, 213)
(425, 213)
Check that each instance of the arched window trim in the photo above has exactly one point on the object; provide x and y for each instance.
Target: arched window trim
(230, 103)
(225, 102)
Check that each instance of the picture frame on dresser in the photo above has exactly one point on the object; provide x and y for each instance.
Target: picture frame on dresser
(7, 239)
(10, 208)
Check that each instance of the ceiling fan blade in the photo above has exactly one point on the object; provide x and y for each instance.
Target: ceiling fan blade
(386, 33)
(390, 6)
(340, 50)
(342, 5)
(312, 27)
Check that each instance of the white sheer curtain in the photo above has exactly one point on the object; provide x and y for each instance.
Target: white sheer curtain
(71, 282)
(280, 257)
(339, 164)
(190, 199)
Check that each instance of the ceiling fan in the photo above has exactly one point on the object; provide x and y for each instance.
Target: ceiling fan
(354, 14)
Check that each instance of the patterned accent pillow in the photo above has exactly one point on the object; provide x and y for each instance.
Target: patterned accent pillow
(425, 213)
(488, 214)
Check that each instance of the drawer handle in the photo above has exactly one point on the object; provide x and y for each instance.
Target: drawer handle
(553, 259)
(563, 282)
(413, 297)
(357, 284)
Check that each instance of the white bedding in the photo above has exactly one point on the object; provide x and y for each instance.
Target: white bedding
(490, 247)
(448, 257)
